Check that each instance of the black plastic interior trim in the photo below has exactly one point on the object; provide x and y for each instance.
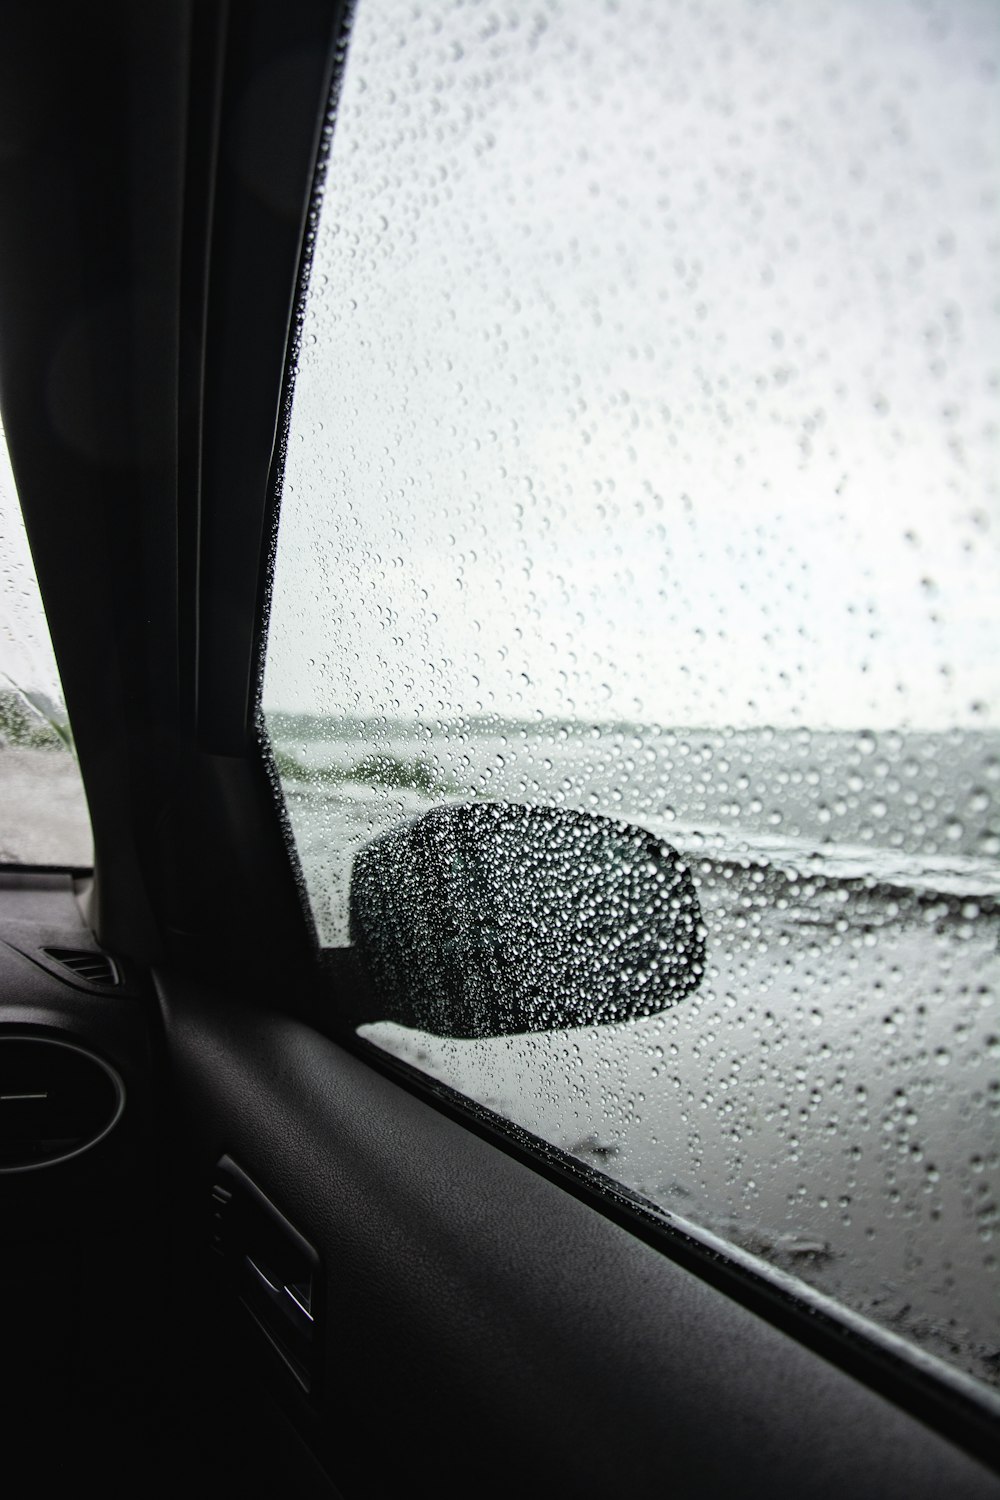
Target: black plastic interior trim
(489, 1324)
(154, 195)
(278, 65)
(337, 59)
(955, 1405)
(267, 1263)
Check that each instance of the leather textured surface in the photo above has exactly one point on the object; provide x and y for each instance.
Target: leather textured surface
(488, 1334)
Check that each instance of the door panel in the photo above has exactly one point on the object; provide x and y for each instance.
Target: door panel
(489, 1333)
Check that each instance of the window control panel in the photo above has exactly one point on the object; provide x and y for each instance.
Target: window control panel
(271, 1266)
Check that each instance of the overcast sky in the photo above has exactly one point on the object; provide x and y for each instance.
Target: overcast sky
(650, 370)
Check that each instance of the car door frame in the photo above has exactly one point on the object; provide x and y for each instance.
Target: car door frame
(156, 235)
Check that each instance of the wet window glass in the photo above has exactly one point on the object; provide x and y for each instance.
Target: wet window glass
(43, 807)
(631, 679)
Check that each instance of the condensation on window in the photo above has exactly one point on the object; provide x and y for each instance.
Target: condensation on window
(44, 817)
(643, 464)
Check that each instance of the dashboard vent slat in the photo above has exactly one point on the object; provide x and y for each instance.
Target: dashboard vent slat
(85, 964)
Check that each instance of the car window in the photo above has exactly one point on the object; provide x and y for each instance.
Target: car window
(44, 817)
(642, 463)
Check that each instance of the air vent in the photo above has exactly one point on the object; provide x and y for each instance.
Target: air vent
(86, 964)
(56, 1101)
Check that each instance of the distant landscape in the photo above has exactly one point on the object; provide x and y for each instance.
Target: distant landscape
(31, 721)
(827, 1098)
(43, 809)
(913, 806)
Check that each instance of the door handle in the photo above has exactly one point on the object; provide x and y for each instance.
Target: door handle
(273, 1269)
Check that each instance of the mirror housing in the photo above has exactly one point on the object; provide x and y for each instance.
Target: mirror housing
(485, 919)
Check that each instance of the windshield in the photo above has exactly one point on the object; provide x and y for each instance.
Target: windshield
(44, 819)
(643, 461)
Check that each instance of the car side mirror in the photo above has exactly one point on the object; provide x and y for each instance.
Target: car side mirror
(488, 919)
